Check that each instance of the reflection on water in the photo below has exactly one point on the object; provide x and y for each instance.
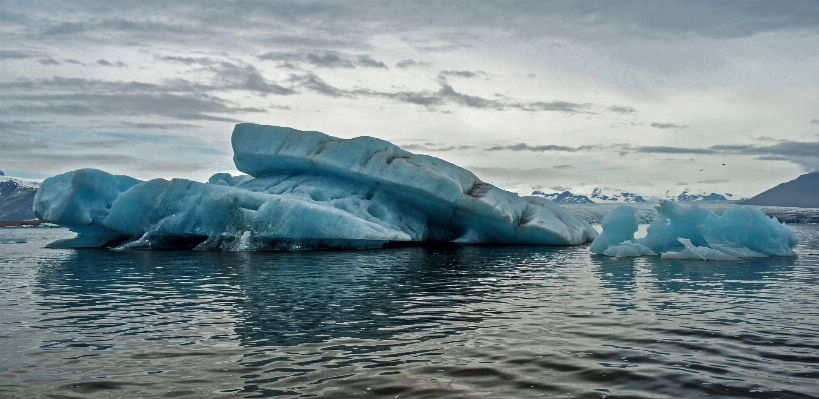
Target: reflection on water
(410, 322)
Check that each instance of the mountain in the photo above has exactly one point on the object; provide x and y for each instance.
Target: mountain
(685, 196)
(803, 192)
(16, 199)
(622, 196)
(565, 197)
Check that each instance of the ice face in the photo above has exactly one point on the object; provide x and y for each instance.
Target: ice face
(81, 200)
(696, 233)
(307, 190)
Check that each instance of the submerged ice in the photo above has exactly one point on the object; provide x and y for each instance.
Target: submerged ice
(303, 190)
(695, 233)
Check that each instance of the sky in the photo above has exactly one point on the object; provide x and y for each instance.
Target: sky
(650, 97)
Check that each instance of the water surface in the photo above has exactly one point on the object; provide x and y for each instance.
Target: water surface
(489, 322)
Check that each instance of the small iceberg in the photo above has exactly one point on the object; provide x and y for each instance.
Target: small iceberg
(695, 233)
(303, 190)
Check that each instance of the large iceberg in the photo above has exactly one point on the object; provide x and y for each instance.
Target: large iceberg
(695, 233)
(303, 190)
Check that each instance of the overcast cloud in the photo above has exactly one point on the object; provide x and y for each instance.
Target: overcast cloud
(638, 95)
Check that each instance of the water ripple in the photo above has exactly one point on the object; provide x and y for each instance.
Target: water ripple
(409, 323)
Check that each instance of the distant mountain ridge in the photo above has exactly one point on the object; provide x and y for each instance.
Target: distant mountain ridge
(16, 199)
(802, 192)
(623, 196)
(686, 197)
(565, 197)
(598, 196)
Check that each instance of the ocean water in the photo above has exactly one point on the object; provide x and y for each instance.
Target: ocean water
(462, 322)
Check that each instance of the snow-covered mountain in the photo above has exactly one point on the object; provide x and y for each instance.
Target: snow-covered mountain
(685, 196)
(803, 192)
(610, 196)
(565, 197)
(16, 199)
(598, 195)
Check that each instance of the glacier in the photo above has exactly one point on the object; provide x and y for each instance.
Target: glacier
(695, 233)
(303, 190)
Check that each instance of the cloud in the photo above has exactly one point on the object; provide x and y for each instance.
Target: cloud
(463, 74)
(542, 148)
(14, 55)
(563, 166)
(177, 99)
(164, 167)
(325, 60)
(435, 148)
(407, 63)
(48, 61)
(107, 63)
(245, 77)
(312, 82)
(431, 100)
(187, 60)
(803, 154)
(328, 59)
(814, 122)
(667, 126)
(365, 60)
(674, 150)
(622, 110)
(558, 106)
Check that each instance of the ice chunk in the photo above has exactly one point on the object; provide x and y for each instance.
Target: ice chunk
(694, 252)
(310, 190)
(619, 226)
(696, 233)
(628, 249)
(81, 200)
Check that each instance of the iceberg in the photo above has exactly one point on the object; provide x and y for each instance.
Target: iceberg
(303, 190)
(696, 233)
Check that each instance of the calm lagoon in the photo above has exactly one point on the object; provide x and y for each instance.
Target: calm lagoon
(489, 322)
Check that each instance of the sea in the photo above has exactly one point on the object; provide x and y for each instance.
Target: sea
(418, 322)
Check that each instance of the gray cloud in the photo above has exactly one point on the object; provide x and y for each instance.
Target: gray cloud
(328, 59)
(48, 61)
(434, 148)
(814, 122)
(621, 109)
(365, 60)
(187, 60)
(558, 106)
(65, 28)
(317, 85)
(14, 55)
(245, 77)
(407, 63)
(804, 154)
(445, 95)
(563, 166)
(175, 167)
(107, 63)
(463, 74)
(674, 150)
(667, 125)
(178, 99)
(542, 148)
(325, 60)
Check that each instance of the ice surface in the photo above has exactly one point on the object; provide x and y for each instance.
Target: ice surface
(304, 190)
(81, 201)
(697, 233)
